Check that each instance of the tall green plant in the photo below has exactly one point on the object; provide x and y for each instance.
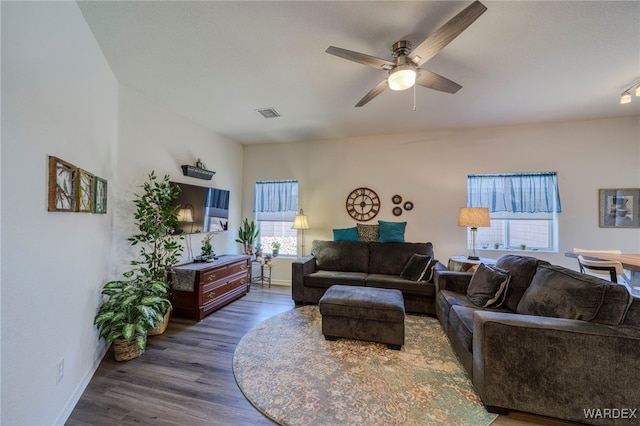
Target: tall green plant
(247, 233)
(156, 217)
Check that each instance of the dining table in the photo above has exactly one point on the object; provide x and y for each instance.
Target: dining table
(630, 262)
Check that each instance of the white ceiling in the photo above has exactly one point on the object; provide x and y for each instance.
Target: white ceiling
(521, 62)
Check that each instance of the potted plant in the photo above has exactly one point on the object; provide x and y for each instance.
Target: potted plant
(130, 308)
(496, 245)
(523, 246)
(276, 248)
(206, 250)
(267, 259)
(247, 235)
(156, 217)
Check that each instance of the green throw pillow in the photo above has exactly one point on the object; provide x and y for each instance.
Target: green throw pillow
(346, 234)
(391, 232)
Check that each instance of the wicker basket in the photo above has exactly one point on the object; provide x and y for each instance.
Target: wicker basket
(126, 350)
(161, 327)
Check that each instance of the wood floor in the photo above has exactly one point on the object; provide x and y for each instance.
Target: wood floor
(185, 375)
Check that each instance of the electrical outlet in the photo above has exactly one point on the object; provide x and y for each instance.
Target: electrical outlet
(60, 371)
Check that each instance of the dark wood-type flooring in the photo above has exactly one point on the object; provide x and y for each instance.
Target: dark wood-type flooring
(185, 375)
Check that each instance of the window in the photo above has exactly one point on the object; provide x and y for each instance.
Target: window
(276, 205)
(523, 208)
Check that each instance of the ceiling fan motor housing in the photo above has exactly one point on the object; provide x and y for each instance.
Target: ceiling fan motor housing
(401, 48)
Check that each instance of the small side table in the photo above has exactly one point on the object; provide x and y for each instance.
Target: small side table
(462, 264)
(265, 273)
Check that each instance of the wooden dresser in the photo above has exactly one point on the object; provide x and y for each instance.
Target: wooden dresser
(197, 289)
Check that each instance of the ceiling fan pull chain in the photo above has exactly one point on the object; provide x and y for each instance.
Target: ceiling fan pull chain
(414, 97)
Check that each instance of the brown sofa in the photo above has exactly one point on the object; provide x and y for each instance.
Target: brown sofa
(562, 344)
(368, 264)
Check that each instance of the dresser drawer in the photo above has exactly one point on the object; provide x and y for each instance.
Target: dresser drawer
(218, 274)
(212, 291)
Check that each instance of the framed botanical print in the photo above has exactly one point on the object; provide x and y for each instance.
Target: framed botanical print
(61, 186)
(99, 195)
(84, 188)
(619, 208)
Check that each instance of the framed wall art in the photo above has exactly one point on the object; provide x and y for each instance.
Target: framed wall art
(619, 208)
(61, 186)
(84, 188)
(99, 195)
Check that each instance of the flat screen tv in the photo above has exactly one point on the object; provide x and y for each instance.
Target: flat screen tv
(201, 209)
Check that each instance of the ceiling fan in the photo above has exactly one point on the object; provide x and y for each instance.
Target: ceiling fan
(405, 71)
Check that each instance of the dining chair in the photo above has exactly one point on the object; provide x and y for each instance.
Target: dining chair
(587, 252)
(603, 267)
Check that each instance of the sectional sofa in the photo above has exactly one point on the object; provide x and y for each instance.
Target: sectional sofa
(555, 342)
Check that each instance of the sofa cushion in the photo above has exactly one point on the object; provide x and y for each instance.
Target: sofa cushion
(615, 305)
(419, 267)
(346, 234)
(420, 288)
(488, 286)
(391, 232)
(461, 323)
(522, 269)
(325, 279)
(390, 258)
(348, 256)
(368, 233)
(562, 293)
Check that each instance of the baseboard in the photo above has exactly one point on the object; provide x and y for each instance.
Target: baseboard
(77, 393)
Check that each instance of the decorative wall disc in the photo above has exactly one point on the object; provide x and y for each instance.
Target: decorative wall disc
(408, 205)
(397, 211)
(363, 204)
(396, 199)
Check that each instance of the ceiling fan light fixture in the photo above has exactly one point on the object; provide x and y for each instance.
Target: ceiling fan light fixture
(625, 98)
(638, 90)
(402, 77)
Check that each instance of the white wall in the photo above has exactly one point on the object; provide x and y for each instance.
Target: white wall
(60, 98)
(430, 169)
(152, 138)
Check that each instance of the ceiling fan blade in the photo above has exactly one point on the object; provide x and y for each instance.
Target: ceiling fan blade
(439, 39)
(372, 61)
(435, 81)
(373, 93)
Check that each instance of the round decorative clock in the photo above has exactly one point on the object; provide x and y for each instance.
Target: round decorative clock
(363, 204)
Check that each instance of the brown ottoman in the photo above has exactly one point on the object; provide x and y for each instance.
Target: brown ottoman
(363, 313)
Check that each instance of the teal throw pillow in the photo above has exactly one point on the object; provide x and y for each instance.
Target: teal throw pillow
(346, 234)
(391, 232)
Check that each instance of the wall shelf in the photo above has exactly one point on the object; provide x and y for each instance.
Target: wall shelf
(196, 172)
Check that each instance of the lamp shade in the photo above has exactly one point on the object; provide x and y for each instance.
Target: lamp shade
(300, 221)
(402, 77)
(185, 215)
(474, 217)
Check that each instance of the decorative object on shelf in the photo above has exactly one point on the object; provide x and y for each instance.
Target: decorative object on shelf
(206, 250)
(99, 195)
(619, 208)
(496, 245)
(61, 185)
(363, 204)
(247, 235)
(83, 181)
(300, 222)
(408, 205)
(474, 218)
(396, 199)
(397, 211)
(197, 172)
(523, 246)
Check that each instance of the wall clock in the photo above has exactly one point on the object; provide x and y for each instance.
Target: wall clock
(363, 204)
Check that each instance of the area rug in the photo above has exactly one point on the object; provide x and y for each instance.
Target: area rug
(289, 372)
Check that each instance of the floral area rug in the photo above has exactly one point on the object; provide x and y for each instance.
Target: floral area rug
(289, 372)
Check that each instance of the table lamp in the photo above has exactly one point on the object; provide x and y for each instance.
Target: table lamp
(474, 218)
(300, 222)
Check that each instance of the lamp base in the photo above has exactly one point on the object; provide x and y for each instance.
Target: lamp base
(473, 257)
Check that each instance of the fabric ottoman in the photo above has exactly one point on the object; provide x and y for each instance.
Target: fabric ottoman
(363, 313)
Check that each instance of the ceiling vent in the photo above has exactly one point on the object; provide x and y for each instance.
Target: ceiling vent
(268, 112)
